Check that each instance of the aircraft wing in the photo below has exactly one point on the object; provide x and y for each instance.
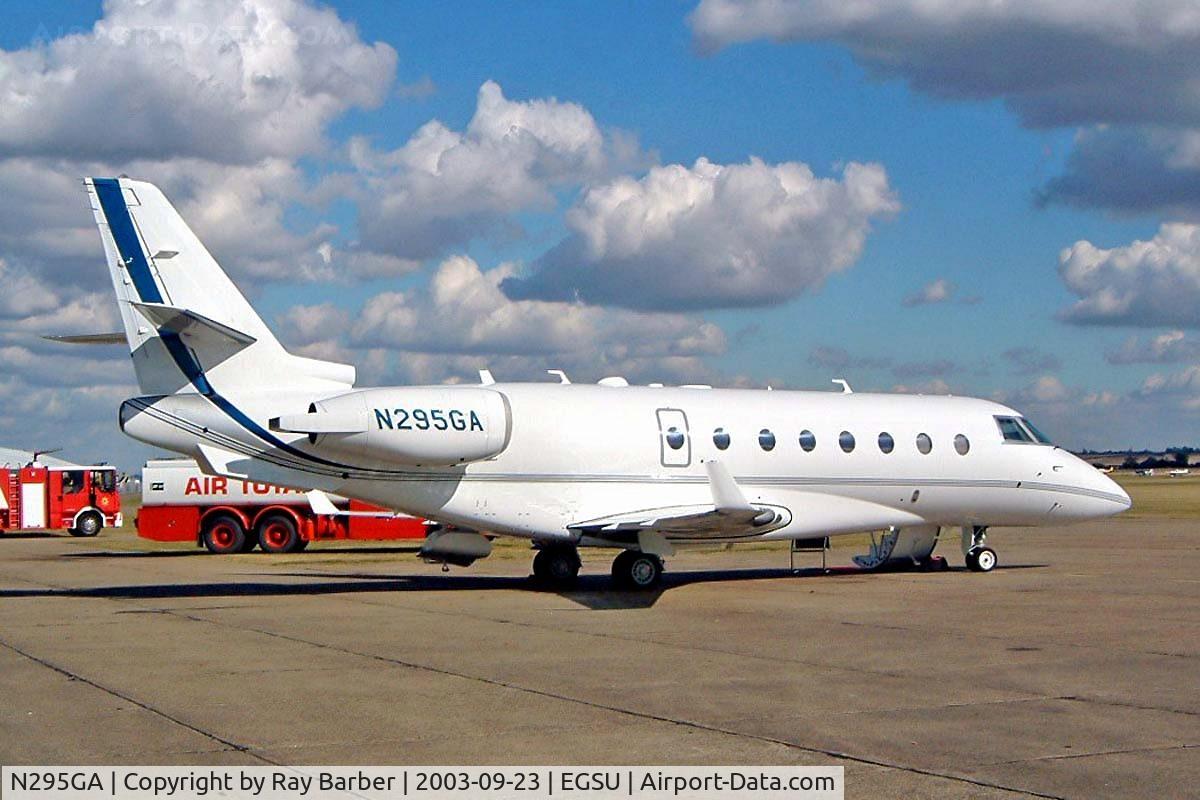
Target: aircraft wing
(729, 516)
(809, 515)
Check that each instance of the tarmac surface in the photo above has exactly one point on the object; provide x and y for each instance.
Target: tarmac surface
(1073, 670)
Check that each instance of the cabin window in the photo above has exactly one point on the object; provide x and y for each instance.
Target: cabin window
(766, 440)
(675, 438)
(1013, 431)
(808, 441)
(721, 439)
(886, 443)
(924, 443)
(962, 445)
(846, 440)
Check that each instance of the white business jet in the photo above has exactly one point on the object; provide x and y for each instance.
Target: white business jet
(640, 469)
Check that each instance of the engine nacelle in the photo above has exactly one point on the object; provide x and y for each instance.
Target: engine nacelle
(460, 548)
(421, 426)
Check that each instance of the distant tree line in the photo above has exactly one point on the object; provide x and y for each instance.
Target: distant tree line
(1172, 457)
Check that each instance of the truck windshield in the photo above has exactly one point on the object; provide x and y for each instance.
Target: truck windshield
(104, 479)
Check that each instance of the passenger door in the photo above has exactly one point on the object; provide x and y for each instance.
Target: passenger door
(674, 440)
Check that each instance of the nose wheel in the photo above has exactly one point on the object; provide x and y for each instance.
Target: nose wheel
(978, 556)
(982, 559)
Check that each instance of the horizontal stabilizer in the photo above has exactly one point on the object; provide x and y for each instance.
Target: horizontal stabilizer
(322, 506)
(218, 461)
(89, 338)
(190, 324)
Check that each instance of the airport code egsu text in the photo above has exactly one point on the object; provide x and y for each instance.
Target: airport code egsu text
(401, 419)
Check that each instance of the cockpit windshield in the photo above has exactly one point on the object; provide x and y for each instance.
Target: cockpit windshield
(1038, 435)
(1019, 429)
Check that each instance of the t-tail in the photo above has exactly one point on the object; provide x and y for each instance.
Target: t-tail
(188, 327)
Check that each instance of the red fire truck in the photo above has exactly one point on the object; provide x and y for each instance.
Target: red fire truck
(81, 500)
(227, 515)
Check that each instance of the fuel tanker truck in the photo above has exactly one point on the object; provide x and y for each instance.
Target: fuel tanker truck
(228, 515)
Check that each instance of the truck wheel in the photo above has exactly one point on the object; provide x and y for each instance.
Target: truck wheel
(89, 524)
(223, 534)
(277, 534)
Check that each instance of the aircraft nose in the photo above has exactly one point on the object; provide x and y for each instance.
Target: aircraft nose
(1119, 495)
(1105, 497)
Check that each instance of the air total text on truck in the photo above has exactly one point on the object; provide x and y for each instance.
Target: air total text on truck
(229, 515)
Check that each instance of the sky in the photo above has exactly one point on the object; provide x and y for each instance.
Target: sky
(991, 199)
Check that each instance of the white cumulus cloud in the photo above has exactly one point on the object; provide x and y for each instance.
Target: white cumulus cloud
(1056, 62)
(1125, 69)
(1146, 283)
(445, 187)
(1165, 348)
(711, 235)
(938, 291)
(463, 321)
(225, 80)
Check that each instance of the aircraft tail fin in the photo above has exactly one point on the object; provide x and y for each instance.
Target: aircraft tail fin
(185, 321)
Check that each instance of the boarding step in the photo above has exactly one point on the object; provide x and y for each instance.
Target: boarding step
(900, 547)
(809, 546)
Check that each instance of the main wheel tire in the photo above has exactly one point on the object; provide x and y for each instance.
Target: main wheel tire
(89, 524)
(981, 559)
(635, 570)
(277, 534)
(556, 566)
(223, 534)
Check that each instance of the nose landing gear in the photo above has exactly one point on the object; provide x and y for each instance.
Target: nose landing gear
(978, 556)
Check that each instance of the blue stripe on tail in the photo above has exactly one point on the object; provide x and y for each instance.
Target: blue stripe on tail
(129, 249)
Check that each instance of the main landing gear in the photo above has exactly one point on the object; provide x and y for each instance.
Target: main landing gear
(979, 557)
(633, 569)
(557, 566)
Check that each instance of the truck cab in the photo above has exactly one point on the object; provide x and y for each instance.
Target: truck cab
(82, 500)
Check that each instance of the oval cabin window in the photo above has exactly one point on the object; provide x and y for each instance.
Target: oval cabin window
(721, 439)
(846, 440)
(808, 441)
(766, 440)
(886, 443)
(962, 444)
(924, 443)
(674, 438)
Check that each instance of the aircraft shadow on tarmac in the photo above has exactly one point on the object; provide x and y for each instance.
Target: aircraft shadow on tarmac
(592, 591)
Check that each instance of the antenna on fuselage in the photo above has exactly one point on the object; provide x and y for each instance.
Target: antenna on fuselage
(562, 376)
(845, 384)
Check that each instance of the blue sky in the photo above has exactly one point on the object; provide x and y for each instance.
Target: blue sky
(965, 156)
